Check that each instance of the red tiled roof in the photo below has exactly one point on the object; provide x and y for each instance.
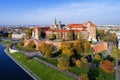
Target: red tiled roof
(75, 26)
(65, 30)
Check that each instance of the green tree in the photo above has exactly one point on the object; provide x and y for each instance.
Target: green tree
(63, 64)
(93, 73)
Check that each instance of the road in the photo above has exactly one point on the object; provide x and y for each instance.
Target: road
(117, 70)
(109, 50)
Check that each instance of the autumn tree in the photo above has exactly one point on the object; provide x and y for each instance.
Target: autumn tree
(68, 52)
(63, 64)
(83, 77)
(84, 60)
(97, 57)
(78, 45)
(78, 63)
(9, 35)
(46, 49)
(107, 66)
(67, 48)
(29, 33)
(70, 35)
(86, 47)
(112, 38)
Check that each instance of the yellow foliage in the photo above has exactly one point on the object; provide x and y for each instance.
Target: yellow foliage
(78, 63)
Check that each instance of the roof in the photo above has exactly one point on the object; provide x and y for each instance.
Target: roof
(41, 28)
(65, 30)
(89, 22)
(76, 26)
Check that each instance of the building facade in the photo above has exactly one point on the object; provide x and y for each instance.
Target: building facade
(59, 31)
(86, 31)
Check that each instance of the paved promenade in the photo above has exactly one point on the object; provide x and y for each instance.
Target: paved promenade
(44, 62)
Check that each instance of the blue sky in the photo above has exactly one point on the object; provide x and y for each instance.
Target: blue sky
(43, 12)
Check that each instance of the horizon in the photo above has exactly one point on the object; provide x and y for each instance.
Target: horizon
(36, 12)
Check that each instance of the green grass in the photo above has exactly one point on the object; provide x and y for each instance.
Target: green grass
(24, 48)
(41, 70)
(49, 60)
(82, 70)
(4, 42)
(108, 76)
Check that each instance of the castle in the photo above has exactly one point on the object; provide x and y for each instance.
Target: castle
(86, 31)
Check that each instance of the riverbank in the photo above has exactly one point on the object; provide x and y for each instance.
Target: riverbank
(23, 67)
(41, 70)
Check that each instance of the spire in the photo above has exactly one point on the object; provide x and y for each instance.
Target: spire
(55, 21)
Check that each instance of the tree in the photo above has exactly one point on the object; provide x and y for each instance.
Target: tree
(67, 48)
(97, 57)
(84, 60)
(93, 73)
(86, 47)
(83, 77)
(63, 64)
(9, 35)
(107, 66)
(46, 49)
(112, 38)
(68, 52)
(29, 33)
(78, 63)
(78, 45)
(53, 37)
(70, 36)
(48, 52)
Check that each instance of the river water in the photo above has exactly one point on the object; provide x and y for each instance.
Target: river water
(9, 70)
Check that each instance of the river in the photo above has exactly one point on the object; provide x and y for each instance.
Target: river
(9, 70)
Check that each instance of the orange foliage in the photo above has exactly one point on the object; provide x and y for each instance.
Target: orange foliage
(107, 66)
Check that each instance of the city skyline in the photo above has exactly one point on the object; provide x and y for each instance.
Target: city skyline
(43, 12)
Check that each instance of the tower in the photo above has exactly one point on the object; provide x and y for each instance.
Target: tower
(59, 25)
(91, 28)
(55, 24)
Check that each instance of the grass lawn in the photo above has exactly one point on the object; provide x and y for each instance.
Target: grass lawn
(105, 76)
(41, 70)
(4, 42)
(50, 60)
(20, 46)
(82, 70)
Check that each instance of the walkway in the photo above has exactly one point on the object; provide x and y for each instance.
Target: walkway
(44, 62)
(117, 71)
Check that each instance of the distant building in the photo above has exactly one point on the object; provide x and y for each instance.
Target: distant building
(39, 32)
(18, 36)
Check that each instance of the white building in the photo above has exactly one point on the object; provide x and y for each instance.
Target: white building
(18, 36)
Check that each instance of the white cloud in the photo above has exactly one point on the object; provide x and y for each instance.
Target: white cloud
(98, 12)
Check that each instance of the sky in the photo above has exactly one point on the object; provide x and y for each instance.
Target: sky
(43, 12)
